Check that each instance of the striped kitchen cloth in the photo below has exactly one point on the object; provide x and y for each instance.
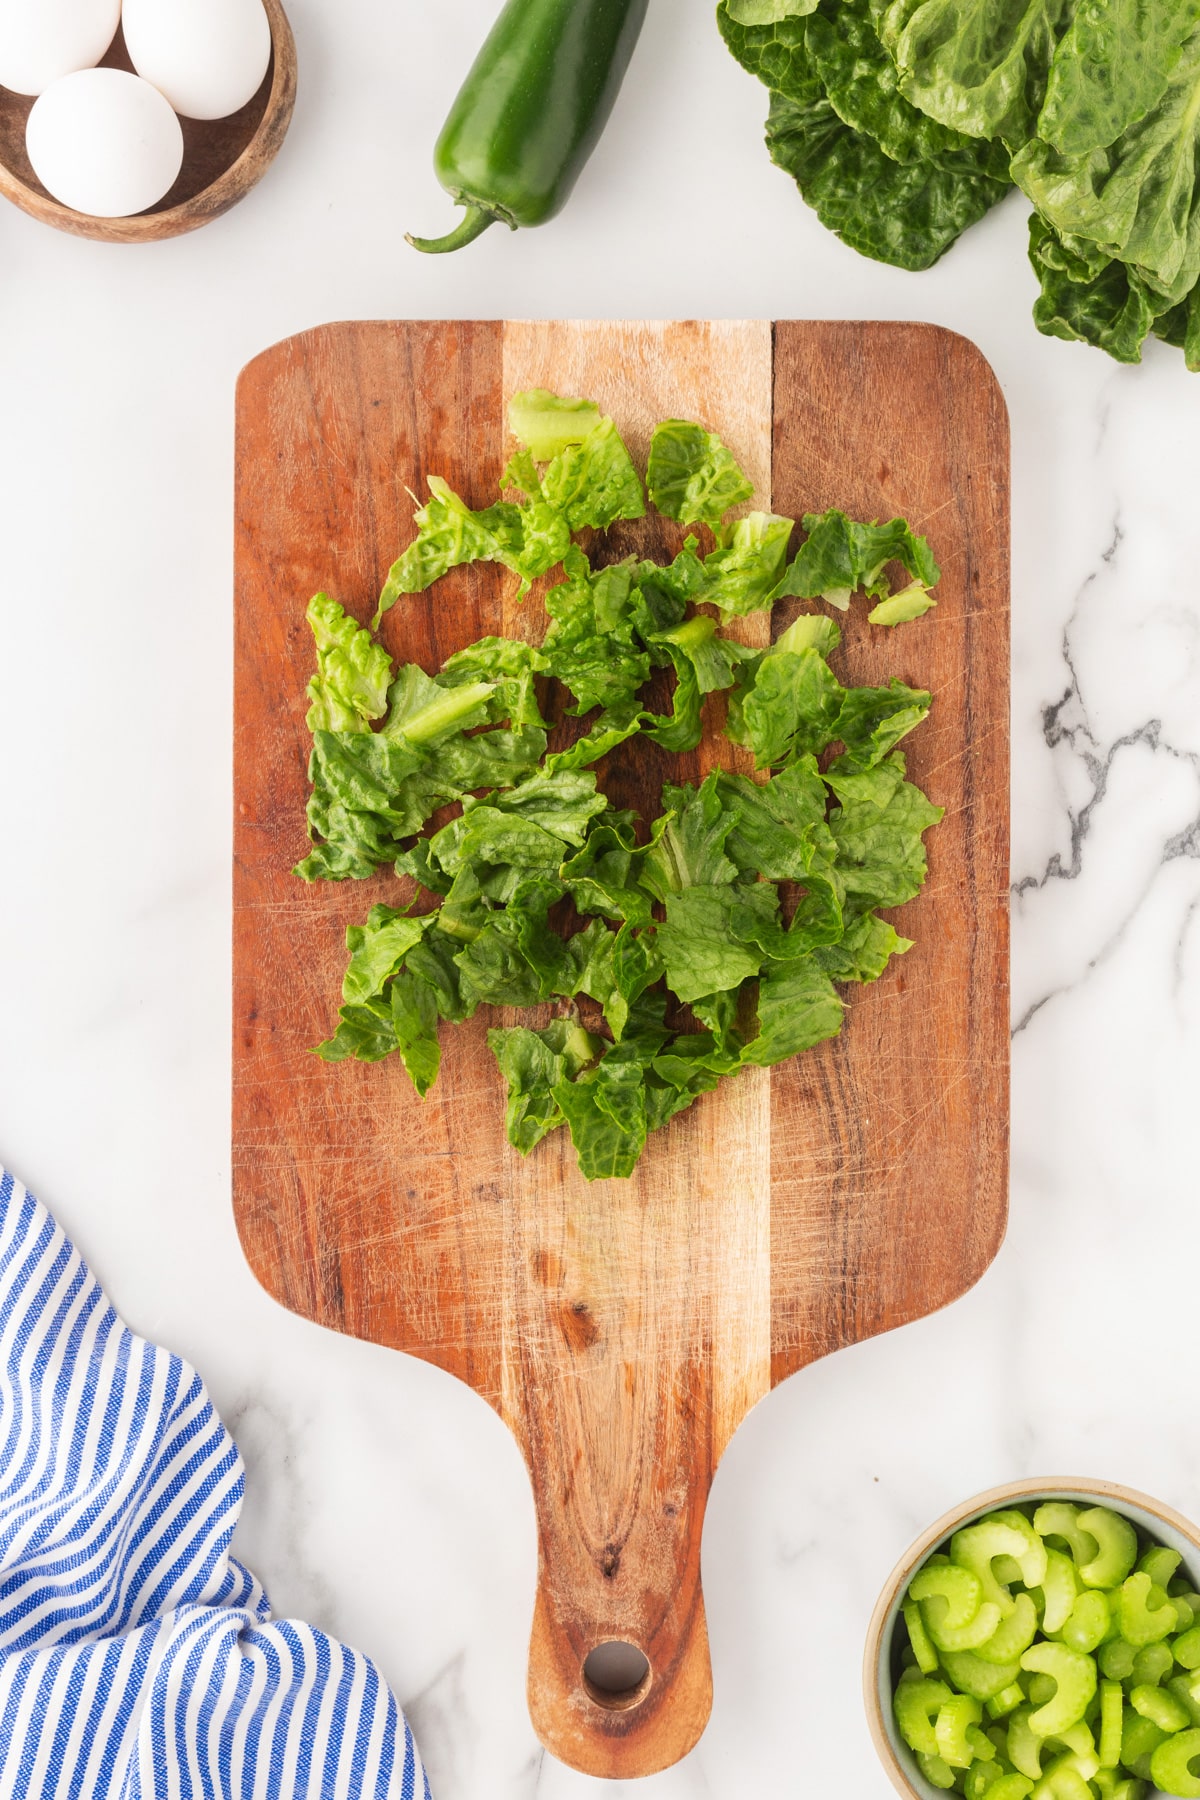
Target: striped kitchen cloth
(138, 1660)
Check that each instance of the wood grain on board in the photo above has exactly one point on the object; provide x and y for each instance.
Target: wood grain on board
(621, 1329)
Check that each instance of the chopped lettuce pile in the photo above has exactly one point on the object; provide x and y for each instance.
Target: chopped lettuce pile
(904, 121)
(673, 951)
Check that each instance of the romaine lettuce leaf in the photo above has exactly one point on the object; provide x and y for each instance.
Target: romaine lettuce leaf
(872, 722)
(774, 49)
(779, 828)
(510, 666)
(607, 1121)
(562, 801)
(548, 424)
(767, 12)
(863, 952)
(797, 1008)
(533, 1063)
(692, 476)
(592, 646)
(594, 483)
(1137, 199)
(862, 85)
(978, 66)
(603, 876)
(415, 1021)
(741, 576)
(1111, 67)
(841, 557)
(1181, 326)
(907, 214)
(1091, 299)
(367, 1033)
(699, 943)
(353, 671)
(787, 707)
(378, 949)
(878, 828)
(691, 850)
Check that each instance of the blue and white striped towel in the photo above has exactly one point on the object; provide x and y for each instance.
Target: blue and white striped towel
(138, 1660)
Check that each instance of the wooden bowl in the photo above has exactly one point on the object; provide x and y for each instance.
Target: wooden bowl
(222, 158)
(880, 1665)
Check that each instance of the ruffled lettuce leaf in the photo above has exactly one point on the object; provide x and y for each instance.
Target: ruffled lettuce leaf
(1089, 298)
(1111, 68)
(907, 214)
(1138, 199)
(547, 424)
(533, 1064)
(878, 825)
(353, 674)
(841, 557)
(742, 575)
(797, 1008)
(691, 475)
(862, 84)
(977, 66)
(690, 851)
(594, 483)
(774, 49)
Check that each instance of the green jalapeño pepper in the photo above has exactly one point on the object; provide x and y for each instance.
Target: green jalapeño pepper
(531, 111)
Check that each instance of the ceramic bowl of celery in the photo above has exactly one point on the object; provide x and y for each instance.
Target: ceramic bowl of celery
(887, 1637)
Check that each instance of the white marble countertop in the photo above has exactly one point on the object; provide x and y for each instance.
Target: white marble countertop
(385, 1502)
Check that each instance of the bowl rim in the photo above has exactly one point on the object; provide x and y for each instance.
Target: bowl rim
(1109, 1493)
(232, 185)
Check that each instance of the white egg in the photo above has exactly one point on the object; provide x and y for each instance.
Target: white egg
(208, 57)
(104, 142)
(42, 40)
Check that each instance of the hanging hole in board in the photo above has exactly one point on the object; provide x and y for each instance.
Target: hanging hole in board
(616, 1675)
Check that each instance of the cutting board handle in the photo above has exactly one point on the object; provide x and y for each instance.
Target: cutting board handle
(608, 1697)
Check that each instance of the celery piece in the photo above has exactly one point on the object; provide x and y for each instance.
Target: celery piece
(1146, 1613)
(1014, 1634)
(1062, 1781)
(981, 1778)
(1076, 1678)
(1152, 1665)
(918, 1638)
(1171, 1765)
(1059, 1519)
(1059, 1589)
(1013, 1786)
(973, 1674)
(1181, 1686)
(1117, 1659)
(950, 1729)
(1111, 1718)
(1186, 1649)
(959, 1590)
(916, 1705)
(1163, 1708)
(1024, 1746)
(1117, 1553)
(938, 1773)
(1088, 1624)
(1006, 1534)
(1159, 1563)
(1140, 1738)
(1006, 1701)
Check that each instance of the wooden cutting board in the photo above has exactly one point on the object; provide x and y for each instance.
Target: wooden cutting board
(622, 1330)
